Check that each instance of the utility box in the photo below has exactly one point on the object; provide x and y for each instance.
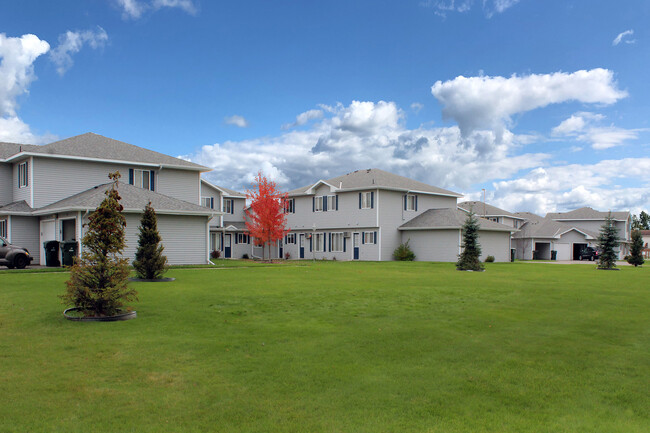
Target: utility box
(69, 252)
(51, 253)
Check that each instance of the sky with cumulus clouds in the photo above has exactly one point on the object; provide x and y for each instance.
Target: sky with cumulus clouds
(544, 104)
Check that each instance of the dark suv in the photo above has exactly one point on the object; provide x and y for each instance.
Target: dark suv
(589, 253)
(13, 256)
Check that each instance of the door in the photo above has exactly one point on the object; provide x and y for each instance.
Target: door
(226, 246)
(48, 233)
(355, 246)
(280, 254)
(302, 246)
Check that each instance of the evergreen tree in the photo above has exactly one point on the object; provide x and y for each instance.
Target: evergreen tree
(644, 221)
(98, 283)
(607, 241)
(469, 258)
(636, 250)
(149, 263)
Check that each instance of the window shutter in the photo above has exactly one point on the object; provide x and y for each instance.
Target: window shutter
(211, 202)
(372, 199)
(310, 242)
(232, 206)
(236, 236)
(313, 204)
(324, 203)
(151, 181)
(406, 199)
(330, 246)
(359, 200)
(374, 235)
(416, 202)
(337, 202)
(130, 176)
(343, 243)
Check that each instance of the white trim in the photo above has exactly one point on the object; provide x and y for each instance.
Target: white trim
(311, 189)
(209, 214)
(385, 188)
(113, 161)
(223, 193)
(494, 215)
(588, 236)
(456, 228)
(31, 182)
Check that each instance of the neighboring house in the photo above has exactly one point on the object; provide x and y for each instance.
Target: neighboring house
(590, 220)
(47, 192)
(538, 237)
(492, 213)
(645, 234)
(363, 215)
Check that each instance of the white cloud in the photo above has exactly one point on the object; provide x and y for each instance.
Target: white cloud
(17, 57)
(490, 7)
(417, 107)
(622, 36)
(134, 9)
(489, 102)
(304, 118)
(236, 120)
(583, 126)
(362, 135)
(72, 42)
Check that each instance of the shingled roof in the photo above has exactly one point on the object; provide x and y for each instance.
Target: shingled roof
(376, 179)
(587, 213)
(485, 209)
(17, 207)
(134, 199)
(446, 218)
(93, 146)
(547, 228)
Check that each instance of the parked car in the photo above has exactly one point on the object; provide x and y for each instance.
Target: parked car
(13, 256)
(589, 253)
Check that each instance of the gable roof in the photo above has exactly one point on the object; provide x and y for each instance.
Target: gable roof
(548, 228)
(529, 216)
(9, 149)
(134, 199)
(446, 218)
(376, 179)
(16, 208)
(92, 146)
(587, 213)
(485, 209)
(226, 192)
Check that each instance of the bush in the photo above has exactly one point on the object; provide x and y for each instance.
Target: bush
(215, 254)
(287, 256)
(404, 253)
(489, 259)
(245, 257)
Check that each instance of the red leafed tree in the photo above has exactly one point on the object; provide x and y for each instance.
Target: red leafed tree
(265, 219)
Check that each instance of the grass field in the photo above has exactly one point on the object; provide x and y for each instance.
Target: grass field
(336, 347)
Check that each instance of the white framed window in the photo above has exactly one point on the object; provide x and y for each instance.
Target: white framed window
(207, 202)
(369, 237)
(410, 203)
(495, 219)
(290, 205)
(291, 238)
(337, 242)
(366, 200)
(516, 224)
(319, 245)
(142, 179)
(243, 238)
(23, 175)
(228, 206)
(3, 228)
(331, 203)
(318, 203)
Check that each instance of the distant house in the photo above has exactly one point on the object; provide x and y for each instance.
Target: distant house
(47, 193)
(645, 234)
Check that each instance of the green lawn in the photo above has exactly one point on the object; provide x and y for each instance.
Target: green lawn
(336, 347)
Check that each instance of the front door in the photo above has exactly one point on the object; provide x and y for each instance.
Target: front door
(302, 246)
(355, 245)
(226, 246)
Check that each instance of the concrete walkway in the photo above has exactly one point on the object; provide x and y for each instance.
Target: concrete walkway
(571, 262)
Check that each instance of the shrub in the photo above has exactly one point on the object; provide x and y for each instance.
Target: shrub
(149, 263)
(287, 256)
(98, 284)
(215, 254)
(404, 253)
(489, 259)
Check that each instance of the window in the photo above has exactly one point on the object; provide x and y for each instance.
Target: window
(142, 178)
(332, 203)
(207, 202)
(243, 238)
(3, 228)
(495, 219)
(318, 204)
(23, 175)
(366, 200)
(411, 203)
(516, 224)
(290, 205)
(291, 238)
(228, 205)
(369, 237)
(336, 244)
(319, 245)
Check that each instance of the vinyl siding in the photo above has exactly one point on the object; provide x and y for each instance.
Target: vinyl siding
(495, 244)
(180, 184)
(367, 252)
(238, 210)
(24, 193)
(433, 245)
(25, 232)
(6, 185)
(208, 191)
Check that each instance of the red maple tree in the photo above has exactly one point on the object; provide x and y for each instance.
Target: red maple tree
(265, 218)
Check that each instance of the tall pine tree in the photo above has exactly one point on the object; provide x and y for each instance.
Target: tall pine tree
(636, 250)
(149, 263)
(469, 258)
(98, 284)
(607, 242)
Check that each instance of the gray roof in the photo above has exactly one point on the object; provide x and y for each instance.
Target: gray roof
(529, 216)
(485, 209)
(16, 207)
(228, 192)
(376, 178)
(9, 149)
(94, 146)
(239, 225)
(547, 228)
(446, 218)
(134, 199)
(587, 213)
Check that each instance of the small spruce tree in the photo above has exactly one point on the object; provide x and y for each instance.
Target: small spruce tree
(404, 252)
(149, 263)
(636, 250)
(98, 284)
(469, 258)
(607, 241)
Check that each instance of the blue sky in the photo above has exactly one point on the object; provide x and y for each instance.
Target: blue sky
(542, 103)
